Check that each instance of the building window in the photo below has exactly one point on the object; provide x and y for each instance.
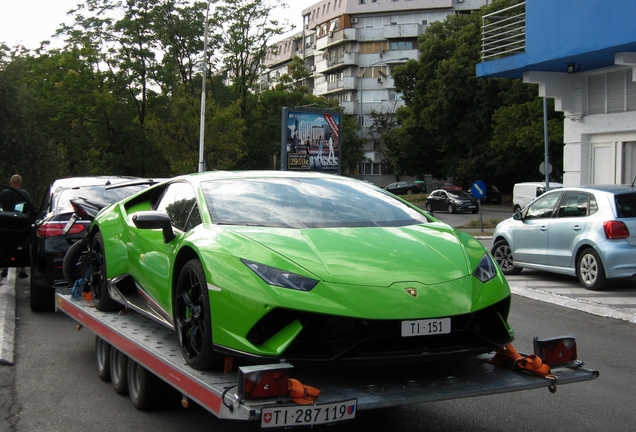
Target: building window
(402, 45)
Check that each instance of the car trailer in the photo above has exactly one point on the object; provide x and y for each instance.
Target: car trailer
(152, 351)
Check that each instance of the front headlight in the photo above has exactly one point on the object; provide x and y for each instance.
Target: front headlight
(486, 269)
(281, 278)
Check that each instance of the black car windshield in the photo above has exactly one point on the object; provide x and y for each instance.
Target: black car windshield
(95, 194)
(305, 203)
(459, 194)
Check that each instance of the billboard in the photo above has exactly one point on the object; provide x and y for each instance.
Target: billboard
(311, 139)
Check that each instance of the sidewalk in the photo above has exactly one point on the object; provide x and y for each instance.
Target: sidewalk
(7, 318)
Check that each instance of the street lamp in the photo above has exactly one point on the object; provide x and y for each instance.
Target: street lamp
(204, 77)
(361, 81)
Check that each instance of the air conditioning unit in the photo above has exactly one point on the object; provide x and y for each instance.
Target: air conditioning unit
(330, 34)
(354, 20)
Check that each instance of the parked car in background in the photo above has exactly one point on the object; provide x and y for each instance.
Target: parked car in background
(493, 195)
(49, 244)
(403, 188)
(524, 193)
(446, 186)
(588, 232)
(295, 265)
(451, 201)
(17, 215)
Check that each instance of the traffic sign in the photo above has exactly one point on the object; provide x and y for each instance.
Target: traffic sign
(478, 189)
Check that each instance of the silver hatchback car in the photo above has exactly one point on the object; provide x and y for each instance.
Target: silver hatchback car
(585, 231)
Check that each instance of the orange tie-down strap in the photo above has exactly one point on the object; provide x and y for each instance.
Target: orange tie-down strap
(302, 394)
(508, 356)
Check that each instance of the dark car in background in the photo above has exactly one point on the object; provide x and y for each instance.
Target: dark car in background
(49, 244)
(404, 188)
(451, 201)
(448, 186)
(493, 195)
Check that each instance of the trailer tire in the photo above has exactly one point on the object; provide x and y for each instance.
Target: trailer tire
(192, 318)
(102, 354)
(119, 371)
(145, 388)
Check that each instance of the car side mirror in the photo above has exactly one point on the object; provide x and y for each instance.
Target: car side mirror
(155, 220)
(517, 216)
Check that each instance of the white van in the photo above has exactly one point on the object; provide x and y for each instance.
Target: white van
(524, 193)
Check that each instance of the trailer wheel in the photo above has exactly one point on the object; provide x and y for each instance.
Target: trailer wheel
(98, 282)
(118, 371)
(193, 320)
(144, 387)
(102, 352)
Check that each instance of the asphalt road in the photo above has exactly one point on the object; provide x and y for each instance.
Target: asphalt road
(54, 387)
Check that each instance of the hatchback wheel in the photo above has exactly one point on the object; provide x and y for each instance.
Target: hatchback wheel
(503, 255)
(451, 209)
(429, 208)
(590, 271)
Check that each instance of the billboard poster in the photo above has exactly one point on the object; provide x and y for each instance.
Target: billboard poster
(311, 140)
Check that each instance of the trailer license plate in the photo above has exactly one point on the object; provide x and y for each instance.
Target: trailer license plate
(308, 415)
(426, 327)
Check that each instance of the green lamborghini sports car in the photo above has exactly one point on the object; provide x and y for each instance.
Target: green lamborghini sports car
(271, 265)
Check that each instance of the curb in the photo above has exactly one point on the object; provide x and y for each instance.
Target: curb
(576, 304)
(7, 318)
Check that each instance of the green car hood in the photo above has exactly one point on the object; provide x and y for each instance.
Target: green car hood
(370, 256)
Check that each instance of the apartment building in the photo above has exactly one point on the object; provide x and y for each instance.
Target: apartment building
(351, 47)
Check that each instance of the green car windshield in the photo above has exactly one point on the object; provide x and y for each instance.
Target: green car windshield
(305, 203)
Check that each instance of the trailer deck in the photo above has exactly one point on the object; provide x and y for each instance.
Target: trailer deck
(343, 391)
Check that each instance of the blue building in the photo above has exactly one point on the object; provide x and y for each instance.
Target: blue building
(582, 53)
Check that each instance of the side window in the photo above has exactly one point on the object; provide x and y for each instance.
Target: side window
(543, 207)
(574, 204)
(179, 202)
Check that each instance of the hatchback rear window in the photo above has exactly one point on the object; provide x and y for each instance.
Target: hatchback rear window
(626, 205)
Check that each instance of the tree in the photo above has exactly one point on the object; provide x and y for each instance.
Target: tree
(244, 35)
(449, 118)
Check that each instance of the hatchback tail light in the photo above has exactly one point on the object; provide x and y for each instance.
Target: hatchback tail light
(53, 229)
(615, 230)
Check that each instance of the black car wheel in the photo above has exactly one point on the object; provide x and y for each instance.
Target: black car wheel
(76, 262)
(429, 208)
(42, 298)
(590, 271)
(98, 281)
(503, 255)
(451, 209)
(192, 317)
(119, 371)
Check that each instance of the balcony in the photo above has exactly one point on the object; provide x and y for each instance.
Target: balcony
(504, 32)
(331, 64)
(337, 38)
(402, 31)
(345, 84)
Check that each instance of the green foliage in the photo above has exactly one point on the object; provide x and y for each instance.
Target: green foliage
(455, 124)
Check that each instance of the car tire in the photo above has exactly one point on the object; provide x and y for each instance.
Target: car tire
(409, 191)
(75, 266)
(451, 209)
(590, 270)
(503, 256)
(119, 371)
(42, 298)
(429, 208)
(193, 321)
(102, 355)
(98, 281)
(475, 210)
(516, 209)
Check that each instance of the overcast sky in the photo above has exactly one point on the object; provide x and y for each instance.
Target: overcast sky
(28, 22)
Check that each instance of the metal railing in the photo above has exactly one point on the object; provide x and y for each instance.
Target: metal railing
(503, 33)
